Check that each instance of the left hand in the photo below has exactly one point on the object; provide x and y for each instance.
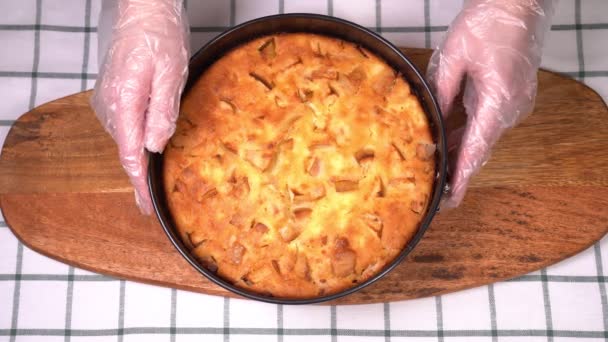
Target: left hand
(137, 93)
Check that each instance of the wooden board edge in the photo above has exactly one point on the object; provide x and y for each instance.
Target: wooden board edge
(353, 299)
(219, 292)
(567, 78)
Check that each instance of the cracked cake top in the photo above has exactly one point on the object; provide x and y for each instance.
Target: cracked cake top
(301, 166)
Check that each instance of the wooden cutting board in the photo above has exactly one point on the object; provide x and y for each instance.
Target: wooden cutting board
(542, 198)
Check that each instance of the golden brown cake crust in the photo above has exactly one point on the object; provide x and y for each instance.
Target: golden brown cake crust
(301, 166)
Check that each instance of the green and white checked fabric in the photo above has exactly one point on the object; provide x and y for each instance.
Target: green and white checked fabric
(48, 50)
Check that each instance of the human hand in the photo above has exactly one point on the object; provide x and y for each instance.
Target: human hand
(137, 93)
(497, 45)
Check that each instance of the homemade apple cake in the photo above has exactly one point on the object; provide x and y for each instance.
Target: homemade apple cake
(301, 166)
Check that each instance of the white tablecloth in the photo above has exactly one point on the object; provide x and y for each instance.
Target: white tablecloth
(48, 50)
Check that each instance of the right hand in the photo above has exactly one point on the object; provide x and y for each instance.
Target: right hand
(496, 46)
(138, 90)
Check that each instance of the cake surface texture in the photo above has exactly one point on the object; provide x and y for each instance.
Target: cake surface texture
(301, 166)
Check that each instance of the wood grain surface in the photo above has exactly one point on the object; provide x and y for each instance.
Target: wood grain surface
(541, 198)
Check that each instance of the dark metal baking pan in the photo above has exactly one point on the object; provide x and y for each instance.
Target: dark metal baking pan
(328, 26)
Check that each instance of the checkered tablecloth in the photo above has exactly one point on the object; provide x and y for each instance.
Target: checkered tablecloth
(48, 50)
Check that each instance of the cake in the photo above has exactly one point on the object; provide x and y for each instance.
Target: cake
(301, 166)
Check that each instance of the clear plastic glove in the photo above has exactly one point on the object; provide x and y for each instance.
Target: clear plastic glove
(144, 55)
(497, 45)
